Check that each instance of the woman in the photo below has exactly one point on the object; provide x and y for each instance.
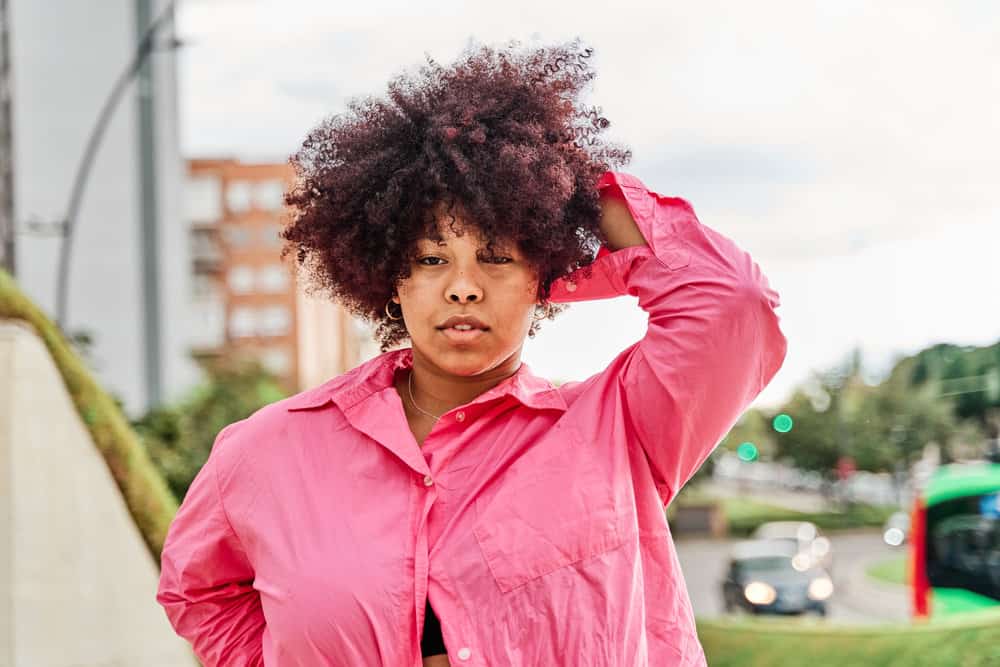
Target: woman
(440, 503)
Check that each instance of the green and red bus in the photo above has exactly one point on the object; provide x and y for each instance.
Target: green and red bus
(955, 541)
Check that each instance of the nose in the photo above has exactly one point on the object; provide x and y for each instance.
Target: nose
(463, 289)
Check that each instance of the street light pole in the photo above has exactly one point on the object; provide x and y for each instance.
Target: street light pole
(150, 248)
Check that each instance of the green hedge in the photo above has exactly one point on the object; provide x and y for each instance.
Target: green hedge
(891, 570)
(971, 641)
(146, 494)
(745, 515)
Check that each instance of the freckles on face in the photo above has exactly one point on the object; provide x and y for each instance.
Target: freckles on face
(467, 307)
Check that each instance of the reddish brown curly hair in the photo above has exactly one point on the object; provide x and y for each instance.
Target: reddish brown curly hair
(500, 133)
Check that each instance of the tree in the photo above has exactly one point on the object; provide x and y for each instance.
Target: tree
(882, 427)
(179, 437)
(813, 443)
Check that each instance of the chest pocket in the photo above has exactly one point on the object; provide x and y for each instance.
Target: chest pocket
(548, 515)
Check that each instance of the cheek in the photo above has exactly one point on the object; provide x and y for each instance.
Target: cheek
(413, 302)
(531, 282)
(412, 293)
(521, 304)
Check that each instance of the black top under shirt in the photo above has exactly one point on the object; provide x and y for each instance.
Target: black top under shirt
(431, 643)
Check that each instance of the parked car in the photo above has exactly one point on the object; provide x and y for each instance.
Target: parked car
(804, 536)
(771, 577)
(896, 531)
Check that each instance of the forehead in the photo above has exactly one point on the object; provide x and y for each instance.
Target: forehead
(451, 224)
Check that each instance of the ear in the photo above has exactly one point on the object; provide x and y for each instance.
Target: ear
(395, 298)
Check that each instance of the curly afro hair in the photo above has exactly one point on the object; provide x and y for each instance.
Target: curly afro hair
(500, 133)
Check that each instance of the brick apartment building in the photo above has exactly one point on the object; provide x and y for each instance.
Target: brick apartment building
(247, 300)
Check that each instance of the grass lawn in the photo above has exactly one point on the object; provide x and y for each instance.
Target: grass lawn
(973, 641)
(891, 570)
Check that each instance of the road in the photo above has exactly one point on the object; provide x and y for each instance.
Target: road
(857, 599)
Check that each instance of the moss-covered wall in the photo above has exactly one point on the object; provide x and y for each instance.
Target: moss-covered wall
(146, 494)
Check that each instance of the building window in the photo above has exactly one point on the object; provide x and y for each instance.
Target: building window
(270, 235)
(277, 360)
(241, 279)
(273, 321)
(273, 279)
(203, 198)
(204, 286)
(241, 322)
(238, 196)
(236, 236)
(205, 250)
(269, 195)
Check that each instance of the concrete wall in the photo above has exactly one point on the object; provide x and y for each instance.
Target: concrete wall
(77, 584)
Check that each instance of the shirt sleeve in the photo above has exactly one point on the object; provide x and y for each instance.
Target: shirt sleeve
(712, 342)
(206, 579)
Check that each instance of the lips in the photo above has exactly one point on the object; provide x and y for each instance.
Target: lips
(463, 329)
(463, 323)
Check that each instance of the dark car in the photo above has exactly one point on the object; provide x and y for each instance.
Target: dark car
(804, 535)
(772, 577)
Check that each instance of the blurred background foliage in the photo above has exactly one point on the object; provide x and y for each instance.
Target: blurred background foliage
(945, 395)
(179, 436)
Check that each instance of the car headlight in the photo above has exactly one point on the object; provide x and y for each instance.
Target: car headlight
(893, 537)
(801, 562)
(820, 588)
(758, 592)
(820, 547)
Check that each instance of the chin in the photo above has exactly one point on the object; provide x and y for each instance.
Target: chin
(464, 361)
(465, 364)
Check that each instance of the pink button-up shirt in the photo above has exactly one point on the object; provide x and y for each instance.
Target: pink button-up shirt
(532, 517)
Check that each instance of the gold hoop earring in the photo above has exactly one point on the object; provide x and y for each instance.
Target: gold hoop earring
(389, 315)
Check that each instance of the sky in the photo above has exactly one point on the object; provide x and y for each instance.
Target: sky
(853, 148)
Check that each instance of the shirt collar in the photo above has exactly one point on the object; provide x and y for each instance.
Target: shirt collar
(377, 375)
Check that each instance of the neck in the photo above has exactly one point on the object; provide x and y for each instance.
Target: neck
(437, 391)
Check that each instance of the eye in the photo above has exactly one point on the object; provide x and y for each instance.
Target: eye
(498, 260)
(430, 260)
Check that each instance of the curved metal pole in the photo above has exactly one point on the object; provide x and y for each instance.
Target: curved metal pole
(90, 152)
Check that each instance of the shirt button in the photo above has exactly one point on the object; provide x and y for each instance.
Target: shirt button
(460, 416)
(428, 480)
(570, 287)
(464, 653)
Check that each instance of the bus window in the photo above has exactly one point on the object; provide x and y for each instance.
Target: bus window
(963, 544)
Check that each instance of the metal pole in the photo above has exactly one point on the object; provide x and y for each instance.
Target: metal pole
(8, 258)
(150, 220)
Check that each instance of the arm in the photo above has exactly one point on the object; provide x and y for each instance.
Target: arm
(206, 580)
(712, 342)
(617, 222)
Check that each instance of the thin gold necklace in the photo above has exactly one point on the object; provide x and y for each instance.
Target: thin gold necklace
(409, 386)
